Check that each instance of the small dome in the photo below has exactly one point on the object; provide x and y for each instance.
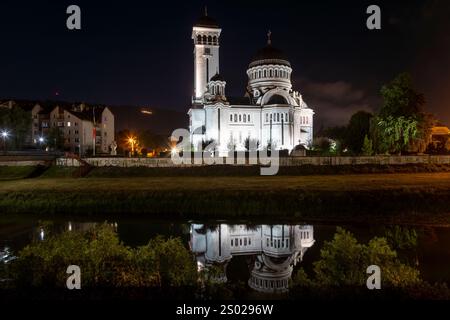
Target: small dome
(206, 22)
(217, 77)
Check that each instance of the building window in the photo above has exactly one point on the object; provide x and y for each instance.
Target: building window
(240, 118)
(278, 117)
(245, 118)
(286, 117)
(68, 123)
(249, 241)
(282, 117)
(231, 242)
(267, 117)
(231, 118)
(235, 117)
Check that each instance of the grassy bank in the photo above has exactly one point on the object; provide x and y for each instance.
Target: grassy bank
(418, 197)
(8, 173)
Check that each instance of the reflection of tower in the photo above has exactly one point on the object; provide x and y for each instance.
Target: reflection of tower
(277, 249)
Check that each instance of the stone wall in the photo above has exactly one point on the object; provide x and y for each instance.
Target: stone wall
(25, 163)
(288, 161)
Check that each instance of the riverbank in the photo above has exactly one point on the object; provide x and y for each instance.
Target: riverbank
(416, 198)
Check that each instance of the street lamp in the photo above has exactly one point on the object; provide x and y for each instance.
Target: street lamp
(5, 135)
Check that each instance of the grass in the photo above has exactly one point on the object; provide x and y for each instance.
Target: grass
(16, 172)
(412, 197)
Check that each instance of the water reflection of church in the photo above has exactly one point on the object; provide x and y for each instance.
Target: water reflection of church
(274, 250)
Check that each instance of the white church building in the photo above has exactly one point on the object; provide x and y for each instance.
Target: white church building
(270, 114)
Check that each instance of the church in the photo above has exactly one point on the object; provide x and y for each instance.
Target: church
(270, 114)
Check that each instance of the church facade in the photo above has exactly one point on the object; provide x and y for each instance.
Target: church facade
(270, 114)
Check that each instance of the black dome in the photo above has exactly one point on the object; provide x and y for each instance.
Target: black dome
(269, 55)
(216, 77)
(207, 22)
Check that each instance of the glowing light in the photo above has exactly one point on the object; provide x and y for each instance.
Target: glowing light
(131, 141)
(5, 134)
(174, 150)
(41, 139)
(146, 111)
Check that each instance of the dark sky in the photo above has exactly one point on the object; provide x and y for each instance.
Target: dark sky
(140, 52)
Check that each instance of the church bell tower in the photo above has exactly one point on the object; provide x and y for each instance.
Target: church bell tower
(205, 34)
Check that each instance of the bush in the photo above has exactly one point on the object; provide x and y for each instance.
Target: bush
(104, 261)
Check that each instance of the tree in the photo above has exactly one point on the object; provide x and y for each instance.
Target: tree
(367, 149)
(343, 262)
(396, 133)
(357, 129)
(18, 122)
(55, 138)
(400, 98)
(401, 124)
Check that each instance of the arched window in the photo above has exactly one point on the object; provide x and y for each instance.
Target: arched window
(209, 40)
(270, 73)
(282, 117)
(235, 117)
(286, 117)
(245, 118)
(204, 39)
(199, 39)
(267, 117)
(278, 117)
(231, 118)
(240, 118)
(270, 117)
(215, 40)
(248, 118)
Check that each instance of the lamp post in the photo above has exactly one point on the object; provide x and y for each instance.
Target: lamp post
(5, 135)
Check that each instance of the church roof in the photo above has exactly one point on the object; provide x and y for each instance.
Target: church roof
(206, 21)
(217, 77)
(269, 55)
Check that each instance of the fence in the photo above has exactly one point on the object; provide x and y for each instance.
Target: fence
(283, 161)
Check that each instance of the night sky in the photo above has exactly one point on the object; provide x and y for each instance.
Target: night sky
(140, 52)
